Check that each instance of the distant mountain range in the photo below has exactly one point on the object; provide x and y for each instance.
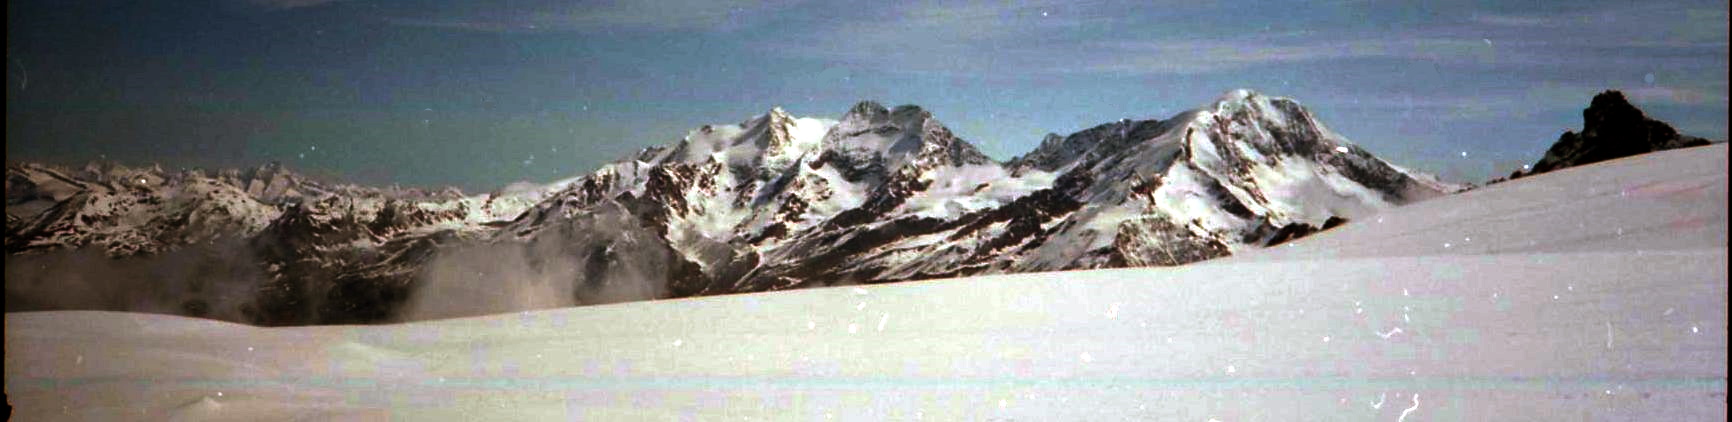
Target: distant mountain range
(774, 202)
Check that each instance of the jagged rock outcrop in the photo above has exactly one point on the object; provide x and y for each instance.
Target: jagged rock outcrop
(1611, 128)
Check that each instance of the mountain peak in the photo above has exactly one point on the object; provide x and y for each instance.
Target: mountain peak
(1237, 96)
(866, 109)
(911, 111)
(1611, 128)
(1611, 98)
(778, 115)
(871, 140)
(775, 116)
(871, 113)
(1051, 139)
(777, 124)
(1610, 109)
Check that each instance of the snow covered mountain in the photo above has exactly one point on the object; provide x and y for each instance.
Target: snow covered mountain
(891, 194)
(299, 236)
(1483, 305)
(774, 202)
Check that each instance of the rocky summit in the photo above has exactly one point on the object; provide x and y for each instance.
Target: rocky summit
(773, 202)
(1611, 128)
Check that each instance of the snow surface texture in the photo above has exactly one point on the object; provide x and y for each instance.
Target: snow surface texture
(1592, 293)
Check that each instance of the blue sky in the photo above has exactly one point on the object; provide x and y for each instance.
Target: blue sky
(481, 93)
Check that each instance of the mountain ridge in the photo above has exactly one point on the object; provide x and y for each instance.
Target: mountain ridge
(773, 202)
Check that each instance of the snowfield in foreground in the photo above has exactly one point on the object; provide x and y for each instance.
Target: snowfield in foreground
(1591, 293)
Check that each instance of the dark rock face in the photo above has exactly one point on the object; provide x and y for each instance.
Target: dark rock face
(1090, 145)
(1295, 231)
(1611, 128)
(1158, 242)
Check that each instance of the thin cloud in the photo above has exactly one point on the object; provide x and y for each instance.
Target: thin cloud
(681, 15)
(1035, 39)
(275, 5)
(894, 50)
(1522, 102)
(1678, 96)
(1195, 56)
(1515, 21)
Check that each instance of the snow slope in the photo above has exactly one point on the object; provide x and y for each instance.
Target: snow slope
(1596, 292)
